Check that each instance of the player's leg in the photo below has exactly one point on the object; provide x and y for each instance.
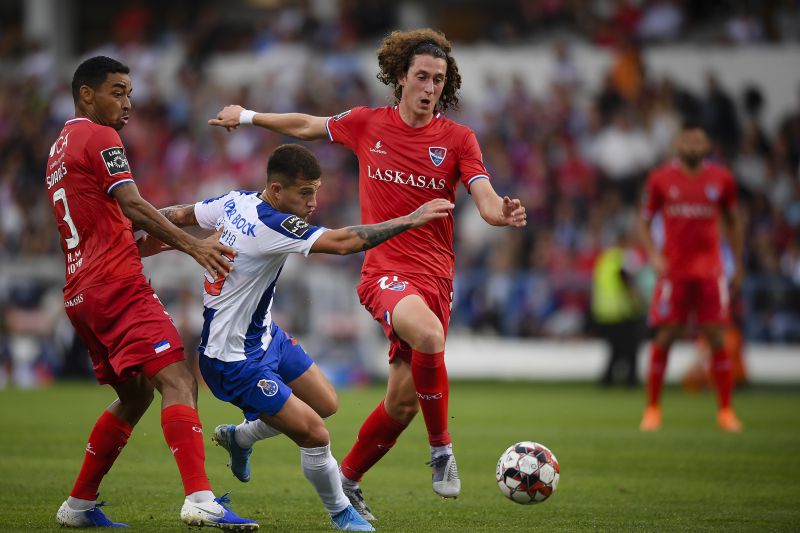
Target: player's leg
(106, 441)
(183, 432)
(312, 387)
(669, 310)
(712, 315)
(416, 324)
(306, 428)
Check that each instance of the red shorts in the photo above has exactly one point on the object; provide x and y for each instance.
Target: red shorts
(125, 328)
(380, 293)
(674, 299)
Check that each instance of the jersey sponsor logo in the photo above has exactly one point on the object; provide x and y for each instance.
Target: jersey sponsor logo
(295, 225)
(392, 284)
(378, 148)
(59, 145)
(406, 178)
(712, 192)
(268, 387)
(74, 301)
(690, 211)
(115, 160)
(162, 346)
(57, 175)
(437, 154)
(341, 115)
(238, 221)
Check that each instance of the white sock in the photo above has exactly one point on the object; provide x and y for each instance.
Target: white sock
(201, 496)
(322, 470)
(77, 504)
(248, 433)
(438, 451)
(346, 481)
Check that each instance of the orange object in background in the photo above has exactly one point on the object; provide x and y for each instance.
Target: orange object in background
(699, 375)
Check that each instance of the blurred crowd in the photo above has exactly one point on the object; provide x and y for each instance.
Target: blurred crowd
(576, 157)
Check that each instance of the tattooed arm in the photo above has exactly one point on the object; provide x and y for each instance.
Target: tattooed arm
(354, 239)
(180, 215)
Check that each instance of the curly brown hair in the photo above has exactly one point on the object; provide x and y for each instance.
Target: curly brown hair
(398, 50)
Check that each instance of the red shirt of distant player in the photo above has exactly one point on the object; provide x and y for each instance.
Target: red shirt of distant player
(400, 168)
(86, 162)
(690, 206)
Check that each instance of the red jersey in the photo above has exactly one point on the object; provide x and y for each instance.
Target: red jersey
(691, 206)
(400, 168)
(86, 162)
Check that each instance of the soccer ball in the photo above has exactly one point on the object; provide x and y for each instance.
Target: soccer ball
(527, 472)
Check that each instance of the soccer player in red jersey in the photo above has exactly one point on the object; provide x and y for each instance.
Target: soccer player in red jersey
(408, 153)
(131, 340)
(691, 194)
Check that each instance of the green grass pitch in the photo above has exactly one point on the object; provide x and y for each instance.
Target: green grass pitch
(688, 477)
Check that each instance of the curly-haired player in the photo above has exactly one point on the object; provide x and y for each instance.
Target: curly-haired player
(408, 153)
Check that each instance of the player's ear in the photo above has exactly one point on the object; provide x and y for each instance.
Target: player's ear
(86, 94)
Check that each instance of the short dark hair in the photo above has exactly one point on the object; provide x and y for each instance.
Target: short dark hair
(289, 163)
(93, 72)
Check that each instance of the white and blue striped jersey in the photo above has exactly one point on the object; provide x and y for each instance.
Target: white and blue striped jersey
(236, 314)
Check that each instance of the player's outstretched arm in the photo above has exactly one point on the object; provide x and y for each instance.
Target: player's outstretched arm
(354, 239)
(208, 254)
(297, 125)
(495, 210)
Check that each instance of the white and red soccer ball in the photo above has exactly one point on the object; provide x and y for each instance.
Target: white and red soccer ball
(527, 472)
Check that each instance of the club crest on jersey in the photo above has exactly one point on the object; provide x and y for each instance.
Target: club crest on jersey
(115, 160)
(295, 225)
(392, 284)
(437, 154)
(268, 387)
(712, 192)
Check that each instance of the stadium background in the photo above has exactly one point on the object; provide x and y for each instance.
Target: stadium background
(572, 102)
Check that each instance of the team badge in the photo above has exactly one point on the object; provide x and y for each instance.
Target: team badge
(392, 284)
(712, 192)
(437, 154)
(268, 387)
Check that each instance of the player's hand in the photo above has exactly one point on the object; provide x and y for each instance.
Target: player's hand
(213, 255)
(228, 118)
(658, 263)
(149, 245)
(428, 211)
(514, 212)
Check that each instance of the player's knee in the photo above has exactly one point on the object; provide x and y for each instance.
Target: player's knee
(328, 406)
(316, 435)
(429, 338)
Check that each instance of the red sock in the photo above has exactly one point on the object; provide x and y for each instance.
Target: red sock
(721, 367)
(655, 375)
(433, 392)
(375, 438)
(108, 437)
(184, 435)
